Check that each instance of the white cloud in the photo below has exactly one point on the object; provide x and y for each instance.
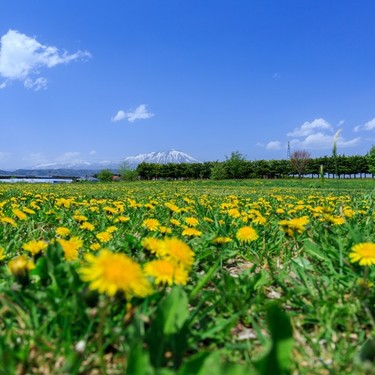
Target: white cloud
(321, 141)
(22, 57)
(120, 115)
(38, 84)
(140, 113)
(370, 125)
(274, 145)
(315, 135)
(308, 128)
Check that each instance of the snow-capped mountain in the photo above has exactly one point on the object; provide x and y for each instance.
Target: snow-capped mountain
(78, 165)
(162, 157)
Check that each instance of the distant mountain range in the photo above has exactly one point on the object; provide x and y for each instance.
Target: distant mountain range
(82, 168)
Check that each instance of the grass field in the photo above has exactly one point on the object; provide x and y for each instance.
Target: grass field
(195, 277)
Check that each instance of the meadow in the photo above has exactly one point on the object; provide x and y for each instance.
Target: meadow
(188, 277)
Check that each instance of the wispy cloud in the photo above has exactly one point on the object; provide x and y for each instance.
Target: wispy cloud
(140, 113)
(315, 135)
(308, 128)
(370, 125)
(274, 145)
(22, 57)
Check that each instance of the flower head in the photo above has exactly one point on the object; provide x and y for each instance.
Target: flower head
(154, 245)
(62, 231)
(364, 253)
(110, 273)
(151, 224)
(221, 240)
(192, 232)
(104, 236)
(70, 247)
(20, 266)
(35, 247)
(296, 225)
(191, 221)
(246, 234)
(178, 252)
(166, 272)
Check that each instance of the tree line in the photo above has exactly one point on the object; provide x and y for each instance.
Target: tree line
(238, 167)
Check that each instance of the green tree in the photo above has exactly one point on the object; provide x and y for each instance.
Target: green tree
(237, 165)
(218, 171)
(105, 175)
(127, 173)
(371, 160)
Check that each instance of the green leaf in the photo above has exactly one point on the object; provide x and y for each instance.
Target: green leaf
(174, 311)
(277, 360)
(368, 351)
(139, 362)
(168, 331)
(204, 363)
(205, 279)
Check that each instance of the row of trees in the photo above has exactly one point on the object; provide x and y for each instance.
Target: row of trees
(237, 167)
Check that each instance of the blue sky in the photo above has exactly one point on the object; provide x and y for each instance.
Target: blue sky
(103, 80)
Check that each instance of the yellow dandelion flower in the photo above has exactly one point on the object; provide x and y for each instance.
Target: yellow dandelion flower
(8, 220)
(87, 226)
(19, 266)
(221, 240)
(21, 215)
(110, 210)
(70, 247)
(296, 225)
(166, 272)
(104, 237)
(191, 232)
(111, 229)
(336, 220)
(35, 247)
(365, 284)
(151, 224)
(62, 231)
(165, 230)
(364, 253)
(28, 210)
(348, 212)
(208, 220)
(122, 219)
(192, 221)
(233, 212)
(110, 273)
(175, 222)
(95, 246)
(154, 245)
(259, 219)
(178, 252)
(2, 253)
(246, 234)
(80, 218)
(172, 207)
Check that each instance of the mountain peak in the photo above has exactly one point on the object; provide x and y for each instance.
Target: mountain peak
(161, 157)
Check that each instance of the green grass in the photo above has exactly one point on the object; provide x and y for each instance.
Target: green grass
(279, 304)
